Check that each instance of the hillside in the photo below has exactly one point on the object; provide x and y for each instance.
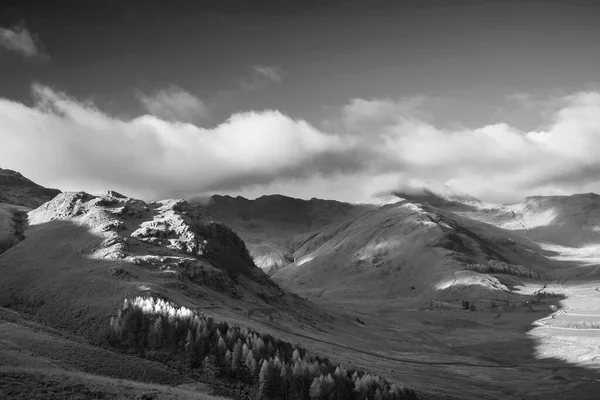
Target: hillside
(18, 195)
(17, 190)
(564, 220)
(83, 254)
(12, 220)
(384, 280)
(85, 258)
(572, 221)
(270, 225)
(415, 253)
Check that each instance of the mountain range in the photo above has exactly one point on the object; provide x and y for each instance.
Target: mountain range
(426, 289)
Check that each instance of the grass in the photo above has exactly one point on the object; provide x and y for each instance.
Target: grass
(24, 385)
(48, 384)
(38, 362)
(75, 354)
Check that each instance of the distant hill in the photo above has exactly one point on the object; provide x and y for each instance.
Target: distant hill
(411, 252)
(17, 190)
(572, 221)
(271, 224)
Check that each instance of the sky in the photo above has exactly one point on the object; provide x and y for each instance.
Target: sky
(332, 99)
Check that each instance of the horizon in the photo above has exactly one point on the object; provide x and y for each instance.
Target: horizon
(204, 200)
(499, 100)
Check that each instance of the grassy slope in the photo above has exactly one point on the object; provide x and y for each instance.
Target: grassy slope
(17, 190)
(383, 254)
(40, 362)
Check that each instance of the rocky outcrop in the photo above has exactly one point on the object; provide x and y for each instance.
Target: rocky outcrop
(169, 236)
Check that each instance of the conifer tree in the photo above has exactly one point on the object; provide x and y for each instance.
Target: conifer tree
(286, 377)
(158, 333)
(252, 367)
(236, 356)
(263, 381)
(227, 366)
(209, 367)
(316, 389)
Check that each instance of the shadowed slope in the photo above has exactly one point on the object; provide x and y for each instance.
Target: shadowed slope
(18, 195)
(17, 190)
(270, 224)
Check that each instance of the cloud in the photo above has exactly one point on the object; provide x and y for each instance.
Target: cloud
(271, 74)
(19, 39)
(498, 161)
(65, 143)
(175, 104)
(261, 75)
(377, 145)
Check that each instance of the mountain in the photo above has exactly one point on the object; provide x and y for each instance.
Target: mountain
(445, 198)
(17, 190)
(414, 252)
(110, 293)
(271, 224)
(564, 220)
(572, 221)
(18, 195)
(108, 296)
(82, 254)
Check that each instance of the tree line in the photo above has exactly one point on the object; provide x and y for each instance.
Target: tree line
(270, 367)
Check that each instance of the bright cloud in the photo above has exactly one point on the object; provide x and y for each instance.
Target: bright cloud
(65, 143)
(175, 104)
(19, 39)
(377, 145)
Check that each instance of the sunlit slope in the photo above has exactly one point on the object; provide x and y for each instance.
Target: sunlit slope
(83, 254)
(412, 252)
